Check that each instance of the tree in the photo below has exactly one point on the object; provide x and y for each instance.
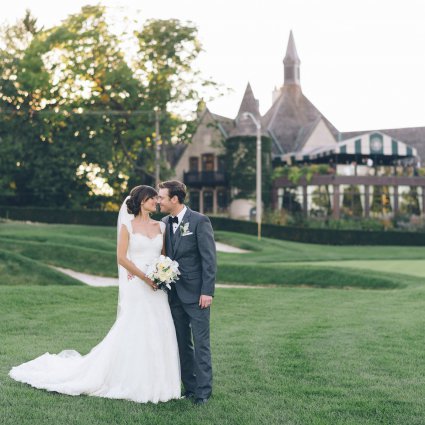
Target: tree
(77, 118)
(16, 103)
(241, 161)
(167, 51)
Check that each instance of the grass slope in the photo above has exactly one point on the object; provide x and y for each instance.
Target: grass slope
(316, 276)
(18, 270)
(92, 250)
(82, 259)
(276, 251)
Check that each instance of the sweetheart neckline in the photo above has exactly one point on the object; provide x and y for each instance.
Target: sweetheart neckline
(141, 234)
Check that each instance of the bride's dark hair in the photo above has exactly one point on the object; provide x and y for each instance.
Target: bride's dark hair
(138, 195)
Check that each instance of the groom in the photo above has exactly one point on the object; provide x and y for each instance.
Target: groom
(189, 239)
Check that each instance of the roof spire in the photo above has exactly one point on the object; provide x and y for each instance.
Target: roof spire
(249, 102)
(291, 63)
(244, 125)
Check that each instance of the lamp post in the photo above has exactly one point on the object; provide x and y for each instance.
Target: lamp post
(157, 146)
(258, 171)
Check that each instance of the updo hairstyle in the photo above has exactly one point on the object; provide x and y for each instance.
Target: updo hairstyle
(138, 195)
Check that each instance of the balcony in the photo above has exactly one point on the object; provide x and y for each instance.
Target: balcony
(205, 178)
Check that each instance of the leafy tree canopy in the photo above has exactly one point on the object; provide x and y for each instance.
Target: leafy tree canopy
(77, 120)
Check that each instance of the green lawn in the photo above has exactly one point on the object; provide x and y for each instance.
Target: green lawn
(92, 250)
(408, 267)
(281, 355)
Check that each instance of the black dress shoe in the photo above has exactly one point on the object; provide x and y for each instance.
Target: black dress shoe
(199, 401)
(188, 394)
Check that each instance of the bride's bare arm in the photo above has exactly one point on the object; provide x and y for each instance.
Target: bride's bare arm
(125, 262)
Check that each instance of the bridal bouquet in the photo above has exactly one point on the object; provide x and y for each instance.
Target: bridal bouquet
(163, 271)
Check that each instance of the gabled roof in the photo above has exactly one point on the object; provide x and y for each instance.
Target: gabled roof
(304, 133)
(291, 118)
(224, 125)
(173, 152)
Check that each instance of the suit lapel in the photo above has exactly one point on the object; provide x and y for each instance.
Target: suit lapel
(168, 242)
(177, 235)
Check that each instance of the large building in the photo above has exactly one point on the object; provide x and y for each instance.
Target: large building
(299, 133)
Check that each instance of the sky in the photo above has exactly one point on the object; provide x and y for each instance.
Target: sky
(362, 61)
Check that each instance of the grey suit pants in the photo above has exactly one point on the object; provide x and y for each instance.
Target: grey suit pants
(193, 336)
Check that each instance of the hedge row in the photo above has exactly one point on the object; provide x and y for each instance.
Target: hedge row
(58, 215)
(322, 236)
(297, 234)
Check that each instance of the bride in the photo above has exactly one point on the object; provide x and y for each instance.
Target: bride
(138, 359)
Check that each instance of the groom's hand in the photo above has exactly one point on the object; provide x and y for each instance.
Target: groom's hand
(205, 301)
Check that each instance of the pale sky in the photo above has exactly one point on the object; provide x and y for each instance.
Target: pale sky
(362, 61)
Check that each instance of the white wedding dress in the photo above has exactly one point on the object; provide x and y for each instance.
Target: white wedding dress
(137, 360)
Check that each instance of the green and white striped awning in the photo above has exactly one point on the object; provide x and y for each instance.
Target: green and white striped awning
(373, 145)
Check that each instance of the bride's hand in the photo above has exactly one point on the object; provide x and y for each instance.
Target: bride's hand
(151, 283)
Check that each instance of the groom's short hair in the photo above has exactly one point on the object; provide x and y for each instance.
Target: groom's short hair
(175, 188)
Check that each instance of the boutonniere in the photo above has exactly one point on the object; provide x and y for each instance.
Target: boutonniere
(184, 229)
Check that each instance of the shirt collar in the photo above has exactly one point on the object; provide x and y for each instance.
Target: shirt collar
(181, 214)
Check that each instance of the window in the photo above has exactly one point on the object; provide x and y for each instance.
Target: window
(193, 163)
(194, 200)
(222, 200)
(208, 162)
(221, 163)
(208, 201)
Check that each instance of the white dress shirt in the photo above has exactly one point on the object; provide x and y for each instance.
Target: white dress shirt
(180, 216)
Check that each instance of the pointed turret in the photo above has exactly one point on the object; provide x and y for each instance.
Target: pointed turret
(244, 126)
(249, 103)
(291, 64)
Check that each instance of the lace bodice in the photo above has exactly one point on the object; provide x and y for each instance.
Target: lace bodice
(143, 250)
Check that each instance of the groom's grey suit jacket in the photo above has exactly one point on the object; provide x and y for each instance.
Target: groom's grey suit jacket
(196, 255)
